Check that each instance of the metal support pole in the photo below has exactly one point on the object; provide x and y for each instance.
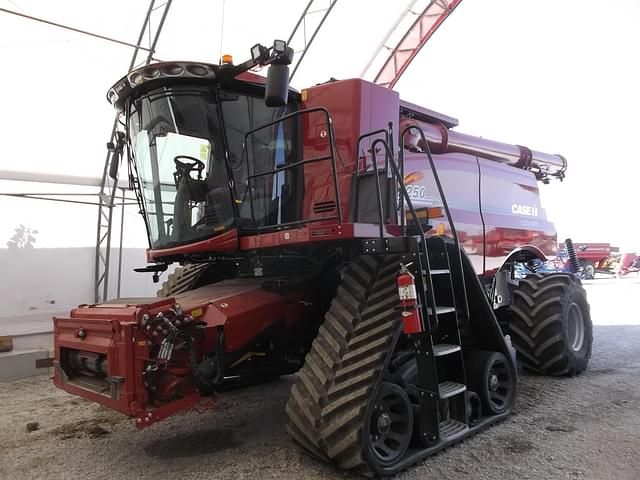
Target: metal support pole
(120, 246)
(108, 185)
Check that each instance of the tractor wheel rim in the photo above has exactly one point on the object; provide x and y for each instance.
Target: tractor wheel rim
(390, 427)
(576, 327)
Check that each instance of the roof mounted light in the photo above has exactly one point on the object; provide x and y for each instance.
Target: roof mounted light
(173, 70)
(150, 73)
(112, 96)
(158, 74)
(279, 46)
(256, 52)
(198, 70)
(135, 78)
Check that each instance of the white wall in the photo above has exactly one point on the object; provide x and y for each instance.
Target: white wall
(53, 279)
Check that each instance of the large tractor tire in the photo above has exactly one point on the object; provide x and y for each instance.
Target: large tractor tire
(338, 406)
(550, 324)
(182, 280)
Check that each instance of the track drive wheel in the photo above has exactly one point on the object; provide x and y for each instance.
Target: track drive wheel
(388, 425)
(550, 324)
(182, 280)
(489, 376)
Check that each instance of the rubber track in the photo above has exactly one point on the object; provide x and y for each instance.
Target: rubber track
(181, 280)
(536, 323)
(343, 369)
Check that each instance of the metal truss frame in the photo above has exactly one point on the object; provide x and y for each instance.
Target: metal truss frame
(307, 34)
(401, 54)
(108, 185)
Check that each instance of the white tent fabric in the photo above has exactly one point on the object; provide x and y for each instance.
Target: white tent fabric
(534, 73)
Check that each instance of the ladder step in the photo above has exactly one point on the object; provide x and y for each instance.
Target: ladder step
(442, 349)
(438, 271)
(441, 310)
(451, 428)
(449, 389)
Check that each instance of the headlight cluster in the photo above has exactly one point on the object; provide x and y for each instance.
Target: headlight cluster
(155, 75)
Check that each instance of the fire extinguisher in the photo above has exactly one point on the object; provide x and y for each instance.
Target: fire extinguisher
(411, 319)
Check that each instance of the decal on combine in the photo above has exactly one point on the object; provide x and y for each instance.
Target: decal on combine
(415, 192)
(526, 210)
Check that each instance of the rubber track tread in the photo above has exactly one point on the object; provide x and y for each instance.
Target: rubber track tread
(181, 280)
(343, 369)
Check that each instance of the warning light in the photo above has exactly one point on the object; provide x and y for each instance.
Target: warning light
(227, 59)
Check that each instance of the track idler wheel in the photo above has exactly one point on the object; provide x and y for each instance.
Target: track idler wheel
(389, 425)
(489, 376)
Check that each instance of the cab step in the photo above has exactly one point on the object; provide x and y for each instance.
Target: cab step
(441, 310)
(442, 349)
(450, 389)
(452, 428)
(437, 271)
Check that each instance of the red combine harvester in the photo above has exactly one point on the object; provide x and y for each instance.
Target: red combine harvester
(339, 233)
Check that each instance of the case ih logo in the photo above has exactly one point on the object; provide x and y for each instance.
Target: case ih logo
(526, 210)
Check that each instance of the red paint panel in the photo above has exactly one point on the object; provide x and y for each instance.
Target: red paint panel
(513, 213)
(458, 174)
(357, 107)
(103, 337)
(225, 242)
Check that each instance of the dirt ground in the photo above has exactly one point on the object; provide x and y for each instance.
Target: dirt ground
(586, 427)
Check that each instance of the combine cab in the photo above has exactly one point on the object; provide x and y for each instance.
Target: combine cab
(339, 233)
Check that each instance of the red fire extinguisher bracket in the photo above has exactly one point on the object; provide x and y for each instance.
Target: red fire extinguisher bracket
(406, 283)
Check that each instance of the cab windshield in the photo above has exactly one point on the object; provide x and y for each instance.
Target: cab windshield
(187, 146)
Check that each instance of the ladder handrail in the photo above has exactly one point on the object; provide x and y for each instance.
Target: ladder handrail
(357, 172)
(445, 204)
(329, 157)
(433, 324)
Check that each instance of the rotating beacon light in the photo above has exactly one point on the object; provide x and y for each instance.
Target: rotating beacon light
(406, 283)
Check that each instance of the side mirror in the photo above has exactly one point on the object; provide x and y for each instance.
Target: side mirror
(116, 151)
(276, 92)
(113, 165)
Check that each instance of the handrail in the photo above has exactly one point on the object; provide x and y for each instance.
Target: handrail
(374, 162)
(440, 191)
(329, 156)
(433, 324)
(356, 184)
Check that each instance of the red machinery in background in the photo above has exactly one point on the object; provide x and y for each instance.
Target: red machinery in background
(595, 257)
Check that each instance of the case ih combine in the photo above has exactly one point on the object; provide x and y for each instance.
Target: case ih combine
(340, 233)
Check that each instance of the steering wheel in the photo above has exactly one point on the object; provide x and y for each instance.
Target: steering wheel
(183, 169)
